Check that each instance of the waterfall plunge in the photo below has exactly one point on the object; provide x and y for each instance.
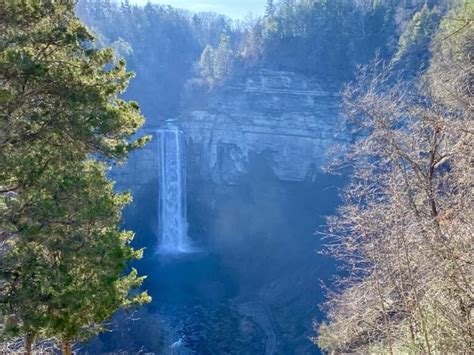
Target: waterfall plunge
(173, 225)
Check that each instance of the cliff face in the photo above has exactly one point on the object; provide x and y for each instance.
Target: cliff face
(289, 116)
(256, 196)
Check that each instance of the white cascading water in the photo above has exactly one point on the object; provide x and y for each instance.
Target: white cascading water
(173, 225)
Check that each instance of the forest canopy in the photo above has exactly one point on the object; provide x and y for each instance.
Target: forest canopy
(178, 52)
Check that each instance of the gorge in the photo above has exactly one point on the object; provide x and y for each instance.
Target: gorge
(181, 182)
(258, 109)
(251, 160)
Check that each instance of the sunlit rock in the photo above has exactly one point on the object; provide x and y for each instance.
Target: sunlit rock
(290, 116)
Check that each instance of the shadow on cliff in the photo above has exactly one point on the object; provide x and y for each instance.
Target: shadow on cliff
(257, 278)
(264, 230)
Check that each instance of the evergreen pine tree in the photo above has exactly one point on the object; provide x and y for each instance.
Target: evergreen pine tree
(63, 254)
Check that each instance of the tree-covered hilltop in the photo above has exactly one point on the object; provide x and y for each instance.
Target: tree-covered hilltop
(161, 44)
(329, 39)
(174, 50)
(405, 230)
(63, 254)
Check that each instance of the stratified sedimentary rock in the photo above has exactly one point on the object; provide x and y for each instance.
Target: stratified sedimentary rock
(292, 117)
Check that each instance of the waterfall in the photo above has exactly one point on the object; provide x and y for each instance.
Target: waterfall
(173, 225)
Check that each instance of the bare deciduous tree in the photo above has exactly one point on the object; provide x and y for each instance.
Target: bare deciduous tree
(406, 228)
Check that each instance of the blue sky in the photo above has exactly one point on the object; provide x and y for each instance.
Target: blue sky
(232, 8)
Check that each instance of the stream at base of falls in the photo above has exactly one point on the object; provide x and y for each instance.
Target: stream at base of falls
(200, 312)
(250, 286)
(195, 310)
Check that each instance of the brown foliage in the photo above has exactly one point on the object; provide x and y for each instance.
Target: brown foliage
(406, 228)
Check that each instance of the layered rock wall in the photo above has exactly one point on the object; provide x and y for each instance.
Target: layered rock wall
(289, 116)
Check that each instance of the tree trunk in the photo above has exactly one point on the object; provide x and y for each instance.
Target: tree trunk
(29, 345)
(66, 347)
